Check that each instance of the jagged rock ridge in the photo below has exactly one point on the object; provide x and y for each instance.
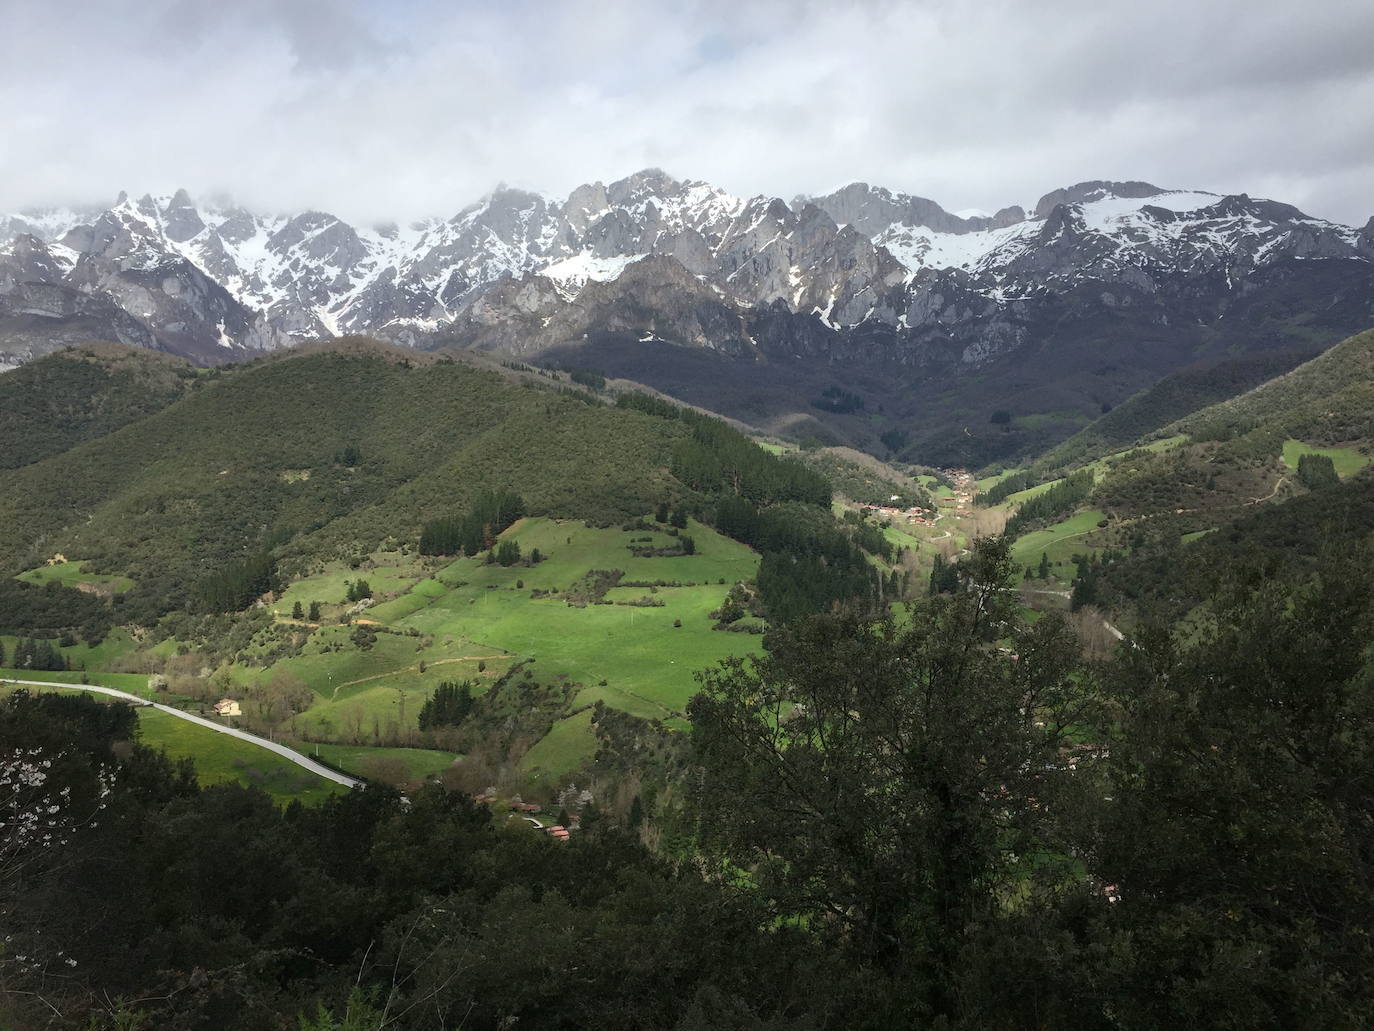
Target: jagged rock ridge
(887, 277)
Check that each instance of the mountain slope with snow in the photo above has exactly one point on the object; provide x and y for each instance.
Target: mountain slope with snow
(862, 278)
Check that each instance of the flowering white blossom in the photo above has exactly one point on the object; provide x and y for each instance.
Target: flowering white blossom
(35, 815)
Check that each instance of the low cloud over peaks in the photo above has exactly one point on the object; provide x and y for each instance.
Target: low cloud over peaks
(393, 110)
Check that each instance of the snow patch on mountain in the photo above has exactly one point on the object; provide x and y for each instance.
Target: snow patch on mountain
(924, 248)
(1102, 215)
(860, 255)
(571, 274)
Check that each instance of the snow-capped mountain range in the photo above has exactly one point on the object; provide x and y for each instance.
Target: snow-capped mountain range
(524, 272)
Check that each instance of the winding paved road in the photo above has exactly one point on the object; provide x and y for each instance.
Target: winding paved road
(289, 754)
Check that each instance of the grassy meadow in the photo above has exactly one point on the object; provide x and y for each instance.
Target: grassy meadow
(71, 574)
(1346, 460)
(1059, 541)
(466, 619)
(220, 758)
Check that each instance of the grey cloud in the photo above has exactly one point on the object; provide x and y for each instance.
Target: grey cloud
(380, 109)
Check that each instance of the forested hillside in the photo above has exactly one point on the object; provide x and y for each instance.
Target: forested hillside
(80, 394)
(1171, 399)
(1267, 479)
(317, 454)
(1328, 400)
(330, 536)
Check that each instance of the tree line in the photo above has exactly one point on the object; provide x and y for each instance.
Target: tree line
(717, 458)
(1006, 487)
(809, 563)
(1056, 501)
(476, 529)
(234, 585)
(35, 654)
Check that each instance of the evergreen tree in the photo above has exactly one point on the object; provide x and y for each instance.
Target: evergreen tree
(1317, 471)
(297, 612)
(237, 584)
(449, 706)
(944, 577)
(491, 513)
(662, 514)
(678, 519)
(1044, 573)
(314, 612)
(1060, 498)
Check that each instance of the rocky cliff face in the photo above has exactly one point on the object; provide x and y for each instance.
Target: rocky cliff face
(862, 276)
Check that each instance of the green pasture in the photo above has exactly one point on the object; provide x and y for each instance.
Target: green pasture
(624, 645)
(134, 683)
(988, 482)
(362, 694)
(572, 548)
(392, 575)
(563, 749)
(1346, 460)
(81, 656)
(391, 704)
(220, 759)
(69, 574)
(363, 761)
(1060, 541)
(334, 667)
(1030, 492)
(938, 490)
(905, 535)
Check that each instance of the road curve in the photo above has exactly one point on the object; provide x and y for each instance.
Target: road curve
(289, 754)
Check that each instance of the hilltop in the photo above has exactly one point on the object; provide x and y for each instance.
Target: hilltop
(82, 393)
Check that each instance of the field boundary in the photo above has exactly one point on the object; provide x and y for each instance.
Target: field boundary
(290, 754)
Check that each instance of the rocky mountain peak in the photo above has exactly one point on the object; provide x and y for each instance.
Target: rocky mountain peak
(180, 219)
(874, 211)
(648, 182)
(1094, 190)
(860, 257)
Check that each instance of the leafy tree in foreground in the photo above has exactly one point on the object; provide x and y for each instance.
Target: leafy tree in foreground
(882, 784)
(1240, 836)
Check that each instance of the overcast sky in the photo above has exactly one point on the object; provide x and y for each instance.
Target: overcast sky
(380, 109)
